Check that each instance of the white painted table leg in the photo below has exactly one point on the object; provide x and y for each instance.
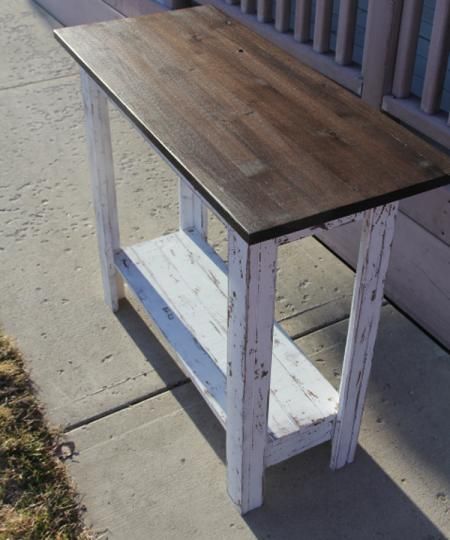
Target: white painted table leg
(376, 240)
(103, 186)
(193, 213)
(251, 297)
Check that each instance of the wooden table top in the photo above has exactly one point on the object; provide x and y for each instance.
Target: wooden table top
(272, 145)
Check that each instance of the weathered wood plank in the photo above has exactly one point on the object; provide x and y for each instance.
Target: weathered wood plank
(292, 445)
(192, 358)
(437, 58)
(407, 47)
(376, 240)
(251, 305)
(315, 146)
(302, 23)
(347, 76)
(322, 26)
(103, 187)
(187, 285)
(346, 31)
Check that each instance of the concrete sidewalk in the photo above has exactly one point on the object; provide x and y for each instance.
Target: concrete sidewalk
(150, 456)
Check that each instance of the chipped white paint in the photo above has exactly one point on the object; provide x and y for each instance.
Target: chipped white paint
(182, 284)
(103, 187)
(283, 406)
(376, 240)
(251, 305)
(193, 212)
(273, 402)
(310, 231)
(298, 442)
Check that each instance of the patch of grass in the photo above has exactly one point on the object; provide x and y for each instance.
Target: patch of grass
(37, 500)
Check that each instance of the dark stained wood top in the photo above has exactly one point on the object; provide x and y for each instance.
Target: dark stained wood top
(272, 145)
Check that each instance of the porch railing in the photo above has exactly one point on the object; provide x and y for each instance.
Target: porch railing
(321, 33)
(425, 113)
(304, 28)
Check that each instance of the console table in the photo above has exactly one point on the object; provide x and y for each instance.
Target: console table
(275, 151)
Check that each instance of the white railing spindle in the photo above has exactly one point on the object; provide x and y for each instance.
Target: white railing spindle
(380, 43)
(302, 24)
(264, 11)
(346, 32)
(282, 15)
(248, 6)
(322, 26)
(437, 58)
(407, 47)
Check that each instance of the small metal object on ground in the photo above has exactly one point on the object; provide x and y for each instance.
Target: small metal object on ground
(277, 152)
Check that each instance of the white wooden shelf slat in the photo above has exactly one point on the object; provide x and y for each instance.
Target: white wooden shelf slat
(182, 283)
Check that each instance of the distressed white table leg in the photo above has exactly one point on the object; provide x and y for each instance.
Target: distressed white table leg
(376, 240)
(103, 186)
(193, 213)
(251, 297)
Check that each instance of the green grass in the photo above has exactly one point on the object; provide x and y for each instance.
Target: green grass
(37, 500)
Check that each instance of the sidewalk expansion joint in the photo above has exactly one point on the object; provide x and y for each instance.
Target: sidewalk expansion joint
(40, 81)
(122, 406)
(318, 327)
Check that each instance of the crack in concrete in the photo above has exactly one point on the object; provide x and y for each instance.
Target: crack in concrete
(312, 308)
(17, 86)
(122, 406)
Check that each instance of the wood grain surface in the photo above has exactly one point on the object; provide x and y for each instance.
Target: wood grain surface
(273, 146)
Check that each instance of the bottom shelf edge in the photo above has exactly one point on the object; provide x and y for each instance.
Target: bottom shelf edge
(156, 272)
(283, 448)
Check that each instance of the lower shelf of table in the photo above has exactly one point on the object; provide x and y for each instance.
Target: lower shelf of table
(182, 283)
